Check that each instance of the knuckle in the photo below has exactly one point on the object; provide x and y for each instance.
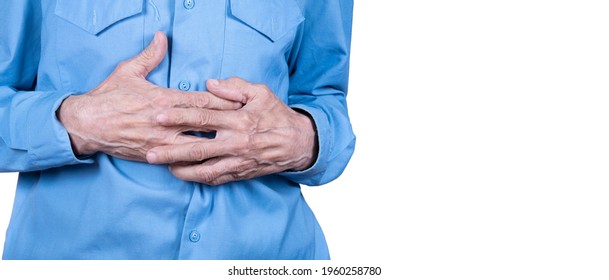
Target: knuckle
(235, 176)
(244, 144)
(204, 175)
(230, 177)
(238, 82)
(173, 118)
(122, 66)
(247, 121)
(196, 152)
(176, 118)
(203, 101)
(244, 168)
(202, 118)
(162, 101)
(166, 156)
(263, 89)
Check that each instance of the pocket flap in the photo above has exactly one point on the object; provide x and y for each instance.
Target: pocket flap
(272, 18)
(96, 15)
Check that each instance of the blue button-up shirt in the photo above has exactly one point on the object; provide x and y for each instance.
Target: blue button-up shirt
(101, 207)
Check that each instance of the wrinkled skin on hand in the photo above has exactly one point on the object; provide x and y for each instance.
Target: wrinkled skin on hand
(118, 117)
(263, 137)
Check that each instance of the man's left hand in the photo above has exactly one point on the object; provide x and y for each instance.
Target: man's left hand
(263, 137)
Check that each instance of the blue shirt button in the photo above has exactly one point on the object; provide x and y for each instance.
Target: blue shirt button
(194, 236)
(184, 85)
(189, 4)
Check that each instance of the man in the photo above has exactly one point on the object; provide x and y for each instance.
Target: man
(131, 145)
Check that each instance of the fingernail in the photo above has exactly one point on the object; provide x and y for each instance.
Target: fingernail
(151, 157)
(214, 82)
(162, 118)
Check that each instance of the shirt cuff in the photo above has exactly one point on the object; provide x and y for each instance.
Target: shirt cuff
(47, 139)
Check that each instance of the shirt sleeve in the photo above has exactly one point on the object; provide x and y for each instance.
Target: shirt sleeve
(31, 137)
(319, 72)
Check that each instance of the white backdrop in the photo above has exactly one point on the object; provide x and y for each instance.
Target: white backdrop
(482, 148)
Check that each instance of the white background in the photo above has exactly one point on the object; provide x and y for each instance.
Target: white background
(482, 149)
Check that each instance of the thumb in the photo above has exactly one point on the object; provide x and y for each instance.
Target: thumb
(233, 89)
(141, 64)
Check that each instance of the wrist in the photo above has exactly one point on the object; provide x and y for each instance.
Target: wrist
(71, 117)
(307, 139)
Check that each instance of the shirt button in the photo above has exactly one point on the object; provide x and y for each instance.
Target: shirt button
(194, 236)
(184, 85)
(189, 4)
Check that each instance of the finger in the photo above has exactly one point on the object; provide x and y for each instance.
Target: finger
(234, 89)
(200, 172)
(200, 99)
(141, 64)
(218, 170)
(197, 119)
(189, 152)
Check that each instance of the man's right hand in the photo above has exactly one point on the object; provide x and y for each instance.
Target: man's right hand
(118, 116)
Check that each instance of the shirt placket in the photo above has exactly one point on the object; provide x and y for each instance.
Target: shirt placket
(196, 55)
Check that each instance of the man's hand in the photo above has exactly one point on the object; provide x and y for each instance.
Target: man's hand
(265, 136)
(118, 116)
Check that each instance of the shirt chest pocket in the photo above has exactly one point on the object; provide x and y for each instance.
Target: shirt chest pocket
(259, 35)
(272, 18)
(92, 36)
